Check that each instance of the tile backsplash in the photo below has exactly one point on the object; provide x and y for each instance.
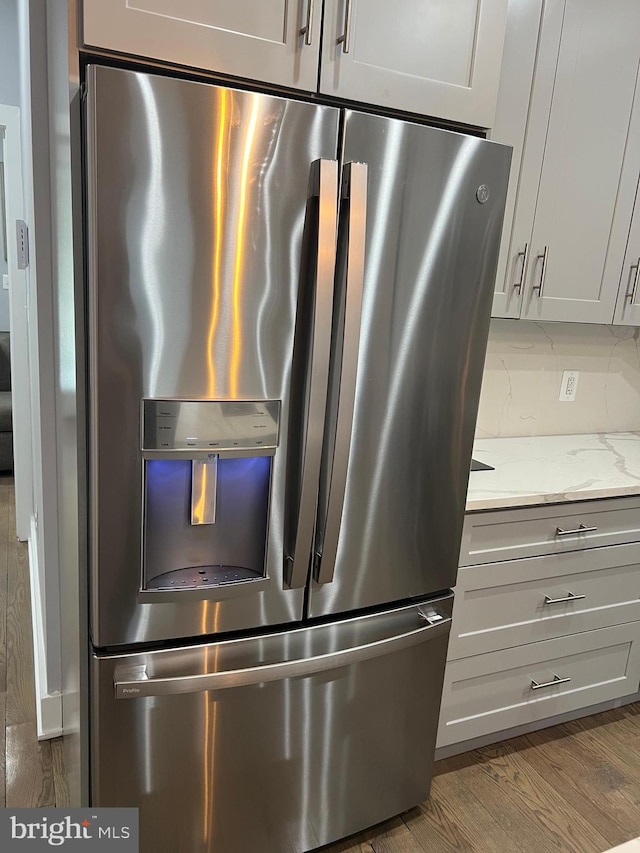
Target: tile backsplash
(523, 372)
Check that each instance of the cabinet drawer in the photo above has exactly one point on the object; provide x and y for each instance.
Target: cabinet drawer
(496, 691)
(500, 605)
(491, 536)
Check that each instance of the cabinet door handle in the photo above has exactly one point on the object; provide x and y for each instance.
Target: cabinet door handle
(582, 529)
(345, 38)
(545, 257)
(631, 292)
(525, 259)
(570, 596)
(539, 685)
(306, 30)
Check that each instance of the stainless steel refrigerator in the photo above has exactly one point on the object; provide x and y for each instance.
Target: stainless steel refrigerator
(288, 307)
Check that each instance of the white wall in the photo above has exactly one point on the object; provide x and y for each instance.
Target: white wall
(4, 267)
(523, 372)
(10, 95)
(9, 54)
(43, 539)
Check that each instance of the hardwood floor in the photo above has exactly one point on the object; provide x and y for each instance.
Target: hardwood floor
(31, 772)
(574, 788)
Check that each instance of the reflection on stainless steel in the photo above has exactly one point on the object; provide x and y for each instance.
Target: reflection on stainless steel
(431, 252)
(285, 365)
(212, 755)
(345, 364)
(193, 298)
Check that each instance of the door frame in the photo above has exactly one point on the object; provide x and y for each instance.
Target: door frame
(18, 323)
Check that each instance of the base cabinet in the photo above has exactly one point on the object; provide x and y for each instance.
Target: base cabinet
(546, 617)
(500, 690)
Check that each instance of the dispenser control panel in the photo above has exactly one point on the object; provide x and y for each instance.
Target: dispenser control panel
(210, 425)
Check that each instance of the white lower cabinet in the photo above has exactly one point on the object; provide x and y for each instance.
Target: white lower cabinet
(499, 690)
(546, 618)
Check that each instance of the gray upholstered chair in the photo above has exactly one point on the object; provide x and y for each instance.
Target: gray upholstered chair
(6, 421)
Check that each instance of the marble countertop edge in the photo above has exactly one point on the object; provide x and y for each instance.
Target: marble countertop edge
(534, 471)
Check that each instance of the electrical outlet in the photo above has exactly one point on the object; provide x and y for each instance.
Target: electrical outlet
(5, 282)
(569, 386)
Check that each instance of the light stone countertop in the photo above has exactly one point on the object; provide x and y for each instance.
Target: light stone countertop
(554, 469)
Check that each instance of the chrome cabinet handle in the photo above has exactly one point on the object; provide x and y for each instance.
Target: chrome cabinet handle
(525, 259)
(345, 38)
(582, 529)
(630, 295)
(323, 204)
(539, 287)
(570, 596)
(539, 685)
(351, 251)
(306, 30)
(133, 682)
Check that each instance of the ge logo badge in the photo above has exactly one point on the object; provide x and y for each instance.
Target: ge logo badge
(482, 193)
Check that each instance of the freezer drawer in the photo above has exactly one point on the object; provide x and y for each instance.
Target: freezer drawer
(277, 744)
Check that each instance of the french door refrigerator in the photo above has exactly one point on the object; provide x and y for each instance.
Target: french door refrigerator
(288, 306)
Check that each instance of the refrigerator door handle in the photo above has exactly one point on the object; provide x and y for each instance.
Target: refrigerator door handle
(323, 184)
(354, 195)
(133, 682)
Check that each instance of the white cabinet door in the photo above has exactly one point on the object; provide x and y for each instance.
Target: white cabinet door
(434, 57)
(583, 208)
(628, 305)
(242, 38)
(524, 21)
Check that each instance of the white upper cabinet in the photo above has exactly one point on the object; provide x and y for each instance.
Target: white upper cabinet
(434, 57)
(259, 39)
(564, 240)
(437, 58)
(628, 305)
(524, 20)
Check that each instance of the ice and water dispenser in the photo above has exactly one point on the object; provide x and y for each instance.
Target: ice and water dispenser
(207, 478)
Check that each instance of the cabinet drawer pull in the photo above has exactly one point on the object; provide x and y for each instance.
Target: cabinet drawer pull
(525, 257)
(582, 529)
(345, 38)
(570, 596)
(630, 295)
(306, 30)
(538, 685)
(543, 272)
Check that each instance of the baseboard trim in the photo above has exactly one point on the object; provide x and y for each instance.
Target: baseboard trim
(48, 705)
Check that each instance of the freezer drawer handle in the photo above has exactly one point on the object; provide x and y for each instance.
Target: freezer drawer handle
(581, 529)
(557, 679)
(134, 683)
(570, 596)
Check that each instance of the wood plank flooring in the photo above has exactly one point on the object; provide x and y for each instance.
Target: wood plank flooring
(574, 788)
(31, 772)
